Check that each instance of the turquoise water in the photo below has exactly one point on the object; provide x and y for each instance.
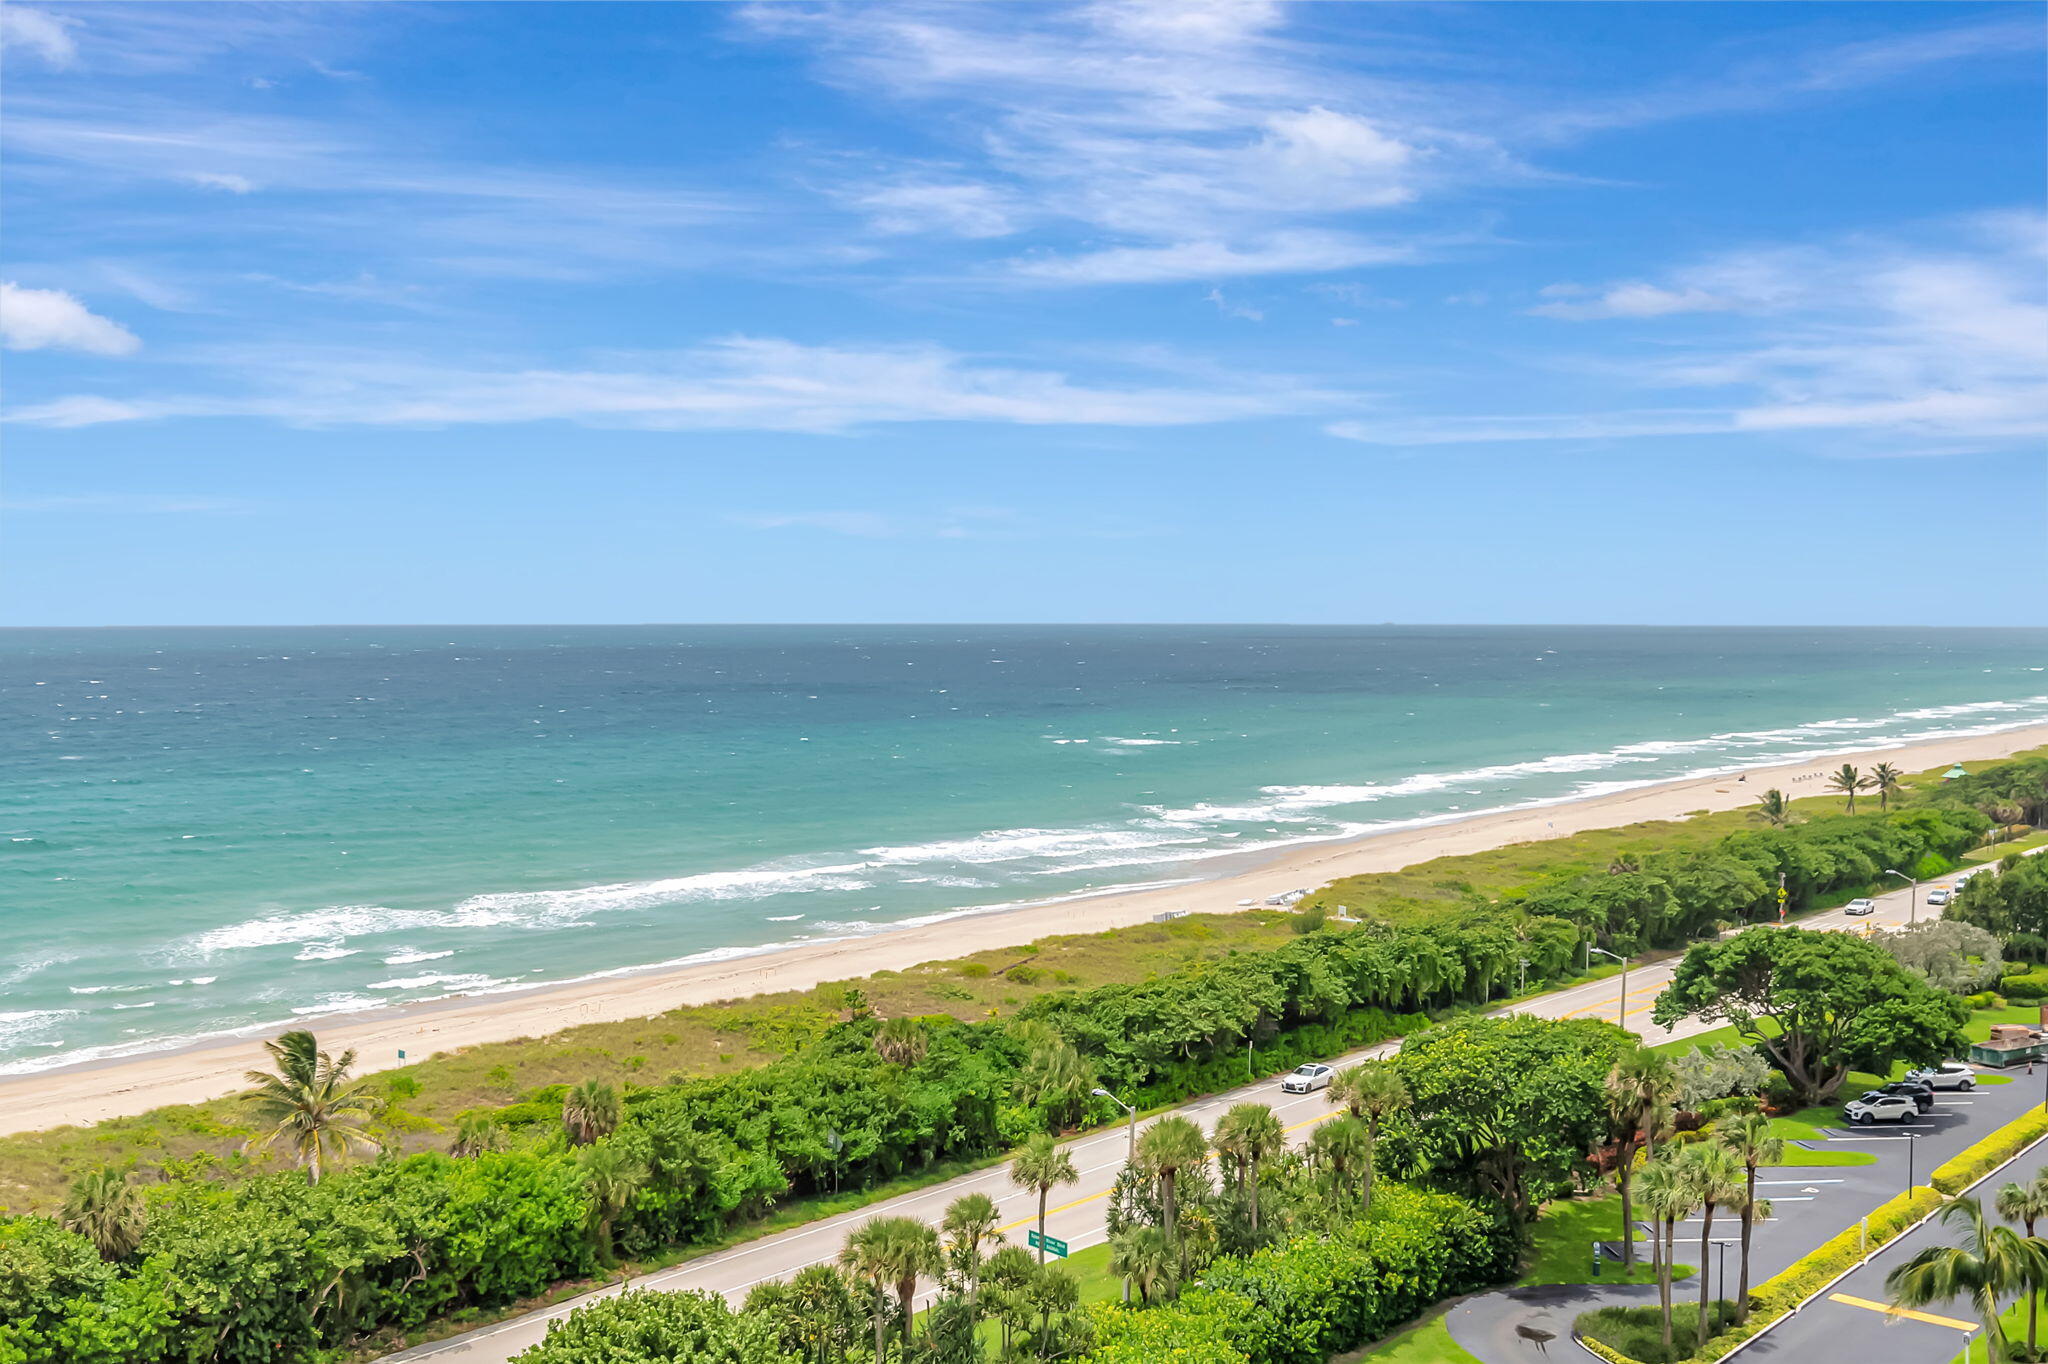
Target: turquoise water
(207, 830)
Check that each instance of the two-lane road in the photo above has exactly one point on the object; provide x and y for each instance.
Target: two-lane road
(1078, 1215)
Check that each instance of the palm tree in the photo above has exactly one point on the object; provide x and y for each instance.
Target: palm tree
(1042, 1164)
(1640, 1081)
(612, 1176)
(1772, 808)
(1008, 1274)
(1748, 1137)
(1663, 1197)
(1848, 782)
(476, 1133)
(1143, 1257)
(590, 1112)
(1247, 1137)
(970, 1219)
(1168, 1147)
(892, 1252)
(1714, 1175)
(901, 1041)
(1373, 1092)
(2027, 1204)
(1343, 1144)
(106, 1210)
(1055, 1078)
(1991, 1262)
(309, 1103)
(1886, 781)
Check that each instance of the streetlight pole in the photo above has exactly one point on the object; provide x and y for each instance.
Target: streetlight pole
(1622, 1017)
(1131, 1154)
(1913, 901)
(1910, 1144)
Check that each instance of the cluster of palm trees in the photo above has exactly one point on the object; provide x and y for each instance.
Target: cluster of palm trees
(1665, 1178)
(1034, 1304)
(1884, 779)
(1992, 1263)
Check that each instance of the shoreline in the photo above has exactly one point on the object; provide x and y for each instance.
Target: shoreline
(94, 1091)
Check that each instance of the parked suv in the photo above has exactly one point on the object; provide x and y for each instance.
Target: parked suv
(1920, 1094)
(1303, 1079)
(1877, 1106)
(1947, 1075)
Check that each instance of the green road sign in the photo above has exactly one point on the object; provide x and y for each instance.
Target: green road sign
(1053, 1244)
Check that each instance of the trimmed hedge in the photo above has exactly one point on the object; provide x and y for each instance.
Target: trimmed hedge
(1953, 1176)
(1315, 1296)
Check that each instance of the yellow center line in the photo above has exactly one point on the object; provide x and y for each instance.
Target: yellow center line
(1908, 1313)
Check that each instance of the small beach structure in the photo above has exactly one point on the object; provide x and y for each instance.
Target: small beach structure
(1954, 772)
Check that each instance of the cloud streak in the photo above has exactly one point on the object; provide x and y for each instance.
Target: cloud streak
(50, 319)
(741, 383)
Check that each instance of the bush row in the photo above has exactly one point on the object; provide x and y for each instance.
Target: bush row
(1972, 1163)
(268, 1269)
(1303, 1302)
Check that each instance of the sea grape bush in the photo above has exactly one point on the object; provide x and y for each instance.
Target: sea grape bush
(271, 1269)
(1304, 1301)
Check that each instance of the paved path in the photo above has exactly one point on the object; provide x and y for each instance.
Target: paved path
(1078, 1217)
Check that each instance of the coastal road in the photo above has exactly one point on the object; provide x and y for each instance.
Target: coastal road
(1077, 1214)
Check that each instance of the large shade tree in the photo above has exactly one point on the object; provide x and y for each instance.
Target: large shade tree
(1504, 1107)
(1817, 1003)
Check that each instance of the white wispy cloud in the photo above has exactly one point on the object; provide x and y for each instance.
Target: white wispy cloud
(1894, 342)
(32, 30)
(40, 319)
(1229, 309)
(1201, 137)
(741, 383)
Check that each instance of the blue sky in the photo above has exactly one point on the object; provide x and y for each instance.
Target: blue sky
(1120, 311)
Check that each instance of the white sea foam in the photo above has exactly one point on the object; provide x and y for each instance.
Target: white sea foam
(449, 984)
(409, 957)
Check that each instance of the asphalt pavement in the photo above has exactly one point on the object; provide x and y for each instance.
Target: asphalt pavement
(1078, 1215)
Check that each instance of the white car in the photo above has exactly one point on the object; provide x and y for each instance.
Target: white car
(1860, 907)
(1309, 1078)
(1947, 1075)
(1940, 895)
(1880, 1107)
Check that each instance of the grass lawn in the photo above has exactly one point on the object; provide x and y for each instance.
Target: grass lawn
(1426, 1342)
(1561, 1243)
(2014, 1321)
(1979, 856)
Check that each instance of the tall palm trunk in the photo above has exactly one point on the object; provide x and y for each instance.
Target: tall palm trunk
(1660, 1252)
(881, 1320)
(1706, 1279)
(1168, 1186)
(1628, 1226)
(1748, 1218)
(1043, 1190)
(906, 1293)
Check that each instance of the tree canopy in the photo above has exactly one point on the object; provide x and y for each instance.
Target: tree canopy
(1819, 1004)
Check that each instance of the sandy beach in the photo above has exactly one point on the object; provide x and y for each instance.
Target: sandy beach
(99, 1091)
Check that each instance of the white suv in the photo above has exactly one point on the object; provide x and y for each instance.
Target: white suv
(1947, 1075)
(1880, 1107)
(1303, 1079)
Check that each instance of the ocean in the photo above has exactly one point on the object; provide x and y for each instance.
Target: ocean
(204, 831)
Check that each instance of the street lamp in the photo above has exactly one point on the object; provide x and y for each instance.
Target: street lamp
(1131, 1157)
(1524, 961)
(1622, 1017)
(1913, 902)
(1910, 1144)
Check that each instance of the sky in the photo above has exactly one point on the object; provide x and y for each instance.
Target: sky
(1139, 310)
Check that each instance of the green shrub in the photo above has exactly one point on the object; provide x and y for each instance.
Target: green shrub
(1317, 1295)
(1637, 1333)
(1969, 1166)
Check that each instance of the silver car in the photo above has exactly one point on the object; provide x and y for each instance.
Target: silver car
(1860, 907)
(1309, 1078)
(1947, 1075)
(1877, 1106)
